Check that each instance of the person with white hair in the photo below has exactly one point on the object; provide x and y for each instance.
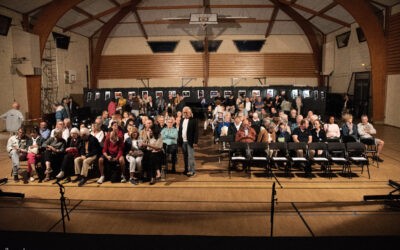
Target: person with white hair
(188, 136)
(89, 151)
(72, 151)
(14, 118)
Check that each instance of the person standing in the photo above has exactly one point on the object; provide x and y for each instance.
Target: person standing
(14, 118)
(170, 137)
(188, 136)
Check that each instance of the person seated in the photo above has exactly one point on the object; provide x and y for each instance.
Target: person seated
(89, 151)
(17, 148)
(112, 154)
(256, 122)
(72, 151)
(283, 133)
(317, 133)
(170, 143)
(246, 133)
(53, 154)
(332, 130)
(302, 134)
(209, 119)
(367, 131)
(134, 156)
(267, 132)
(234, 127)
(349, 129)
(98, 132)
(60, 125)
(222, 128)
(34, 153)
(43, 130)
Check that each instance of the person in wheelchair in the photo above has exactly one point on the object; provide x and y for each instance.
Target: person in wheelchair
(367, 131)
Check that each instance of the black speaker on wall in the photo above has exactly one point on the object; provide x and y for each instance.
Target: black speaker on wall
(5, 23)
(360, 35)
(62, 41)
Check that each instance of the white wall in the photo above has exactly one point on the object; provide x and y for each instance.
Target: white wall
(353, 58)
(392, 112)
(12, 86)
(273, 44)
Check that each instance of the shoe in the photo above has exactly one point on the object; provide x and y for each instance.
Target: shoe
(189, 174)
(40, 181)
(133, 181)
(60, 175)
(152, 181)
(48, 171)
(82, 182)
(193, 174)
(378, 159)
(100, 180)
(31, 179)
(78, 178)
(123, 180)
(46, 179)
(16, 179)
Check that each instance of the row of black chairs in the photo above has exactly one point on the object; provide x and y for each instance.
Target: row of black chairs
(302, 155)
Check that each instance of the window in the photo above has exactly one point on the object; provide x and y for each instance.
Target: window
(62, 41)
(249, 45)
(163, 47)
(213, 45)
(343, 39)
(5, 23)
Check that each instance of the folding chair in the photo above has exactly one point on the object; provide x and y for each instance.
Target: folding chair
(296, 148)
(279, 156)
(237, 154)
(371, 149)
(317, 154)
(337, 155)
(357, 155)
(259, 155)
(223, 146)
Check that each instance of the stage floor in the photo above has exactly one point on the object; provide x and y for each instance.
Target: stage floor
(212, 203)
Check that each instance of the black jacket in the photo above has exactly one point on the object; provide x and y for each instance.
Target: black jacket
(94, 147)
(192, 132)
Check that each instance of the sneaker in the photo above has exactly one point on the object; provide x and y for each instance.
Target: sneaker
(100, 180)
(31, 179)
(82, 182)
(60, 175)
(189, 174)
(123, 179)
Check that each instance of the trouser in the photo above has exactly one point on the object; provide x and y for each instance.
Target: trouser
(16, 157)
(207, 123)
(135, 163)
(155, 163)
(171, 150)
(67, 163)
(32, 160)
(188, 156)
(82, 166)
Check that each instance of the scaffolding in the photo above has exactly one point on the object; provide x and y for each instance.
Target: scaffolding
(50, 81)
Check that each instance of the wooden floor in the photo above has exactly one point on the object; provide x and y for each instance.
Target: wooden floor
(212, 204)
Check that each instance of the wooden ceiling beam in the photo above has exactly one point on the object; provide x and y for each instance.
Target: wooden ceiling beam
(105, 32)
(364, 15)
(85, 13)
(309, 31)
(38, 8)
(97, 16)
(117, 4)
(271, 23)
(313, 12)
(215, 6)
(325, 9)
(144, 33)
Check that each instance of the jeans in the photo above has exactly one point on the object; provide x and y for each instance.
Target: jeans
(188, 155)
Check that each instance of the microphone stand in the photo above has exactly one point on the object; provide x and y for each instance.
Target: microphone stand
(273, 200)
(64, 209)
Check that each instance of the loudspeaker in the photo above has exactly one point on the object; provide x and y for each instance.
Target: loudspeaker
(360, 35)
(62, 41)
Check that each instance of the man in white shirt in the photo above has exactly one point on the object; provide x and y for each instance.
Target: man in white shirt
(14, 118)
(188, 136)
(366, 131)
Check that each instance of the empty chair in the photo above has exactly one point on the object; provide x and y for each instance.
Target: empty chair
(237, 154)
(224, 146)
(371, 149)
(279, 156)
(357, 155)
(317, 154)
(337, 155)
(259, 155)
(297, 155)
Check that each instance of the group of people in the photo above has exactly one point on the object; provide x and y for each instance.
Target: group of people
(121, 145)
(129, 142)
(273, 119)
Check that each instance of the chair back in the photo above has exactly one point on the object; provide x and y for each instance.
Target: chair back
(297, 146)
(258, 148)
(317, 146)
(355, 148)
(337, 149)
